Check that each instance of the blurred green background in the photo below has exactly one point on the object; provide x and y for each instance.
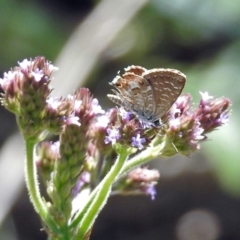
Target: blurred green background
(198, 197)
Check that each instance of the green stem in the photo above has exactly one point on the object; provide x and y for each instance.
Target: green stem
(139, 159)
(33, 187)
(101, 197)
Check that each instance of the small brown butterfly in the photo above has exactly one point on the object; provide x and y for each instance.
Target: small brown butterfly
(149, 94)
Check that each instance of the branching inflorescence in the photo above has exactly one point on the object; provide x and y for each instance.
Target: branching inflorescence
(101, 152)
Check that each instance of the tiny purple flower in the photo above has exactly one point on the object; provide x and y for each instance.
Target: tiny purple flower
(38, 74)
(77, 104)
(52, 67)
(224, 118)
(7, 80)
(196, 136)
(124, 114)
(113, 135)
(102, 121)
(25, 64)
(96, 108)
(174, 123)
(205, 97)
(8, 76)
(150, 190)
(137, 142)
(53, 102)
(197, 133)
(73, 120)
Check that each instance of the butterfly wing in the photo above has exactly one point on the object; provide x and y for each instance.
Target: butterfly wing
(133, 92)
(167, 85)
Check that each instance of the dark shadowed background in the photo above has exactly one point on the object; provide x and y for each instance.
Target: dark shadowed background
(90, 41)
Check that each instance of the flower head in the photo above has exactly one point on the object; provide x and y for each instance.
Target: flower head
(212, 113)
(139, 181)
(26, 90)
(185, 128)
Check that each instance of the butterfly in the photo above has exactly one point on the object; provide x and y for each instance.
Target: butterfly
(149, 94)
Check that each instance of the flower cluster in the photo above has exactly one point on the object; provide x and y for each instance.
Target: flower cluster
(182, 130)
(27, 94)
(95, 148)
(138, 181)
(126, 130)
(188, 127)
(83, 126)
